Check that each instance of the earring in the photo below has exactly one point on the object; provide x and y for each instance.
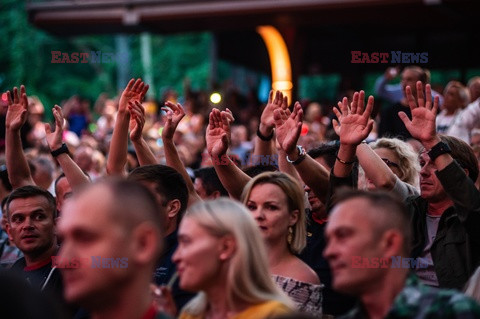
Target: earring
(290, 235)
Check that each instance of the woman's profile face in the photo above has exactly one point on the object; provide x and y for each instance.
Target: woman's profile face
(197, 256)
(268, 205)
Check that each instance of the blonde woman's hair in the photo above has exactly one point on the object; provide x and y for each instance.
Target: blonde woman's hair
(248, 276)
(408, 159)
(295, 200)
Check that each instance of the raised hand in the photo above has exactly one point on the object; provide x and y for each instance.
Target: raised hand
(135, 91)
(422, 125)
(217, 134)
(137, 120)
(17, 109)
(175, 114)
(275, 101)
(354, 123)
(288, 127)
(55, 138)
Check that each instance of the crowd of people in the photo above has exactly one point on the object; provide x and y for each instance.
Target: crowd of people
(190, 211)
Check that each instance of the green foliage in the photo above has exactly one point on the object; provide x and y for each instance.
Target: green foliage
(319, 87)
(26, 59)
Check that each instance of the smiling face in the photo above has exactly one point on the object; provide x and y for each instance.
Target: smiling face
(197, 256)
(88, 230)
(349, 234)
(269, 206)
(31, 225)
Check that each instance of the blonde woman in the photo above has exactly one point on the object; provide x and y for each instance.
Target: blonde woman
(401, 160)
(221, 255)
(276, 201)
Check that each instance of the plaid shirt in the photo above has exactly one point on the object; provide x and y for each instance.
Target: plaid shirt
(420, 301)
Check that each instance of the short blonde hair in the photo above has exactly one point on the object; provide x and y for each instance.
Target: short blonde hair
(295, 200)
(408, 166)
(248, 278)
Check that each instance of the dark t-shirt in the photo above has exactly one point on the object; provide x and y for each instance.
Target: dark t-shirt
(333, 302)
(166, 269)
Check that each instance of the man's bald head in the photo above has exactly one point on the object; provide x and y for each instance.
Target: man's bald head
(130, 203)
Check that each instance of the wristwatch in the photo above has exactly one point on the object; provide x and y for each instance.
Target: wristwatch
(263, 137)
(301, 156)
(61, 150)
(439, 149)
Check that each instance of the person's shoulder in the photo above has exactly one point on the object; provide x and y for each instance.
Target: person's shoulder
(300, 271)
(448, 302)
(19, 264)
(453, 302)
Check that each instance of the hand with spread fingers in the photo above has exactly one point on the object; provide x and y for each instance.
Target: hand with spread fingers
(137, 120)
(135, 91)
(175, 114)
(275, 101)
(288, 127)
(17, 109)
(218, 130)
(354, 122)
(55, 138)
(424, 113)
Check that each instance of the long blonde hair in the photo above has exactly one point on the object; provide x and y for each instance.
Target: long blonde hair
(248, 277)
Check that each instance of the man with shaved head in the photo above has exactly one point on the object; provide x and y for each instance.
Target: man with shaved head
(369, 236)
(112, 234)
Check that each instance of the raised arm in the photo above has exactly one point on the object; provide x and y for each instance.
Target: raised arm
(375, 168)
(288, 128)
(451, 175)
(175, 113)
(117, 155)
(217, 138)
(264, 139)
(422, 126)
(17, 166)
(353, 127)
(73, 173)
(137, 121)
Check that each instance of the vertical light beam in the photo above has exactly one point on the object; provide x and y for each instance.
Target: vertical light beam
(279, 60)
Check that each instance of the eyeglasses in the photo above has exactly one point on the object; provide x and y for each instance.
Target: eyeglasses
(390, 163)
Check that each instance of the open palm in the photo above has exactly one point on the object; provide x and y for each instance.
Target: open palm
(135, 90)
(55, 138)
(354, 123)
(216, 135)
(175, 114)
(288, 127)
(275, 101)
(17, 109)
(424, 113)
